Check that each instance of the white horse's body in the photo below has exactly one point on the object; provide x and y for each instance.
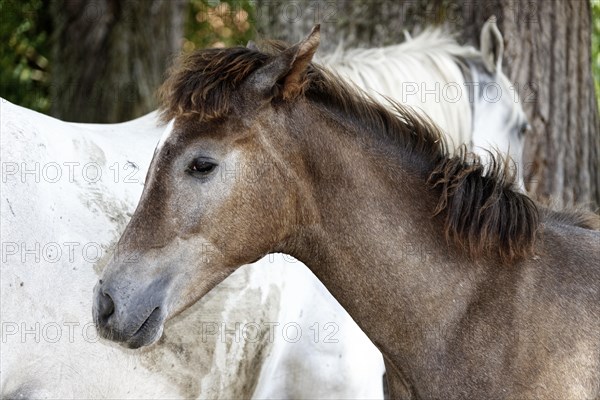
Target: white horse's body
(48, 345)
(310, 347)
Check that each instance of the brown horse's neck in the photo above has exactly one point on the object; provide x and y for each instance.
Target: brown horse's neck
(372, 240)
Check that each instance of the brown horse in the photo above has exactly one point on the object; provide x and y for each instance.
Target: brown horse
(270, 153)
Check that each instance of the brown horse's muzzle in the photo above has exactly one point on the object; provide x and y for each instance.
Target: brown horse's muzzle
(133, 316)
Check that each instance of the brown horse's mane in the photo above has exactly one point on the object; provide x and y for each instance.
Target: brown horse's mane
(483, 213)
(203, 83)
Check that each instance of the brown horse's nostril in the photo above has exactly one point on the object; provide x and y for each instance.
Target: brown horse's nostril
(106, 306)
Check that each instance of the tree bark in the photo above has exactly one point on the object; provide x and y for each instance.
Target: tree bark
(547, 56)
(110, 56)
(352, 23)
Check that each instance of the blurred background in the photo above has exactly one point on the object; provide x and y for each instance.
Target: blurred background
(102, 60)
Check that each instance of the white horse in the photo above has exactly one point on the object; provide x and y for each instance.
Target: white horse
(309, 346)
(460, 88)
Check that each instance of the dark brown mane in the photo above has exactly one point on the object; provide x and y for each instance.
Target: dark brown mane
(203, 83)
(483, 214)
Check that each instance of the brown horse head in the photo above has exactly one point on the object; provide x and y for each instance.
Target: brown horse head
(217, 195)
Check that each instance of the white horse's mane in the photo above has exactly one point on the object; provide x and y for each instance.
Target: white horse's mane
(430, 43)
(430, 60)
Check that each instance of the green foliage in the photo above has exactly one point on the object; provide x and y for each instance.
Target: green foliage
(24, 53)
(211, 23)
(596, 47)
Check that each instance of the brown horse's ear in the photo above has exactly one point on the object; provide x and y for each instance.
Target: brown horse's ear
(286, 73)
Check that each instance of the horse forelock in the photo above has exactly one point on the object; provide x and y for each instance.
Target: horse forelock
(483, 213)
(203, 83)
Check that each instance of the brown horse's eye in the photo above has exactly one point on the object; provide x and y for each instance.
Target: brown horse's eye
(201, 167)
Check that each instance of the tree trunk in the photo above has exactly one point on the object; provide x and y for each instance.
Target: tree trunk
(110, 56)
(547, 56)
(353, 23)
